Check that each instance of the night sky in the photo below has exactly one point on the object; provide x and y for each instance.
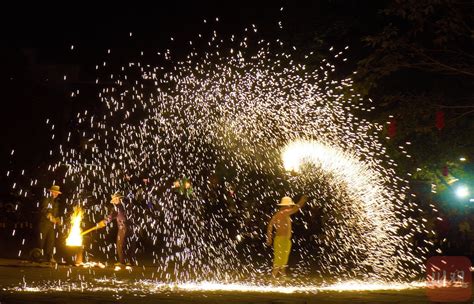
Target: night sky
(36, 54)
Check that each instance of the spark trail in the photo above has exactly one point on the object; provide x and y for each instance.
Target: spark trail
(223, 119)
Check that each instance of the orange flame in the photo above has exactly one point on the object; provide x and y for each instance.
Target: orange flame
(75, 238)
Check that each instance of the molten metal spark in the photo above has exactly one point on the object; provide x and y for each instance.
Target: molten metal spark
(221, 119)
(370, 286)
(147, 287)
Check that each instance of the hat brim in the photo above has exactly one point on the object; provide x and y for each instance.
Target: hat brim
(292, 204)
(57, 191)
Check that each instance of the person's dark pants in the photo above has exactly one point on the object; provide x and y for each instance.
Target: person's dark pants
(136, 236)
(47, 239)
(121, 243)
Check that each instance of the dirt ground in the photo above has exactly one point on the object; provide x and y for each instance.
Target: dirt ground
(34, 283)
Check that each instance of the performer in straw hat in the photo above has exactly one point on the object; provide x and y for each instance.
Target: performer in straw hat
(119, 214)
(48, 222)
(281, 221)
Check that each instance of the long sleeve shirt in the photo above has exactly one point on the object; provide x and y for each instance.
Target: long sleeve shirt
(117, 213)
(48, 205)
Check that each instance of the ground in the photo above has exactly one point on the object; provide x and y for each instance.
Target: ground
(109, 286)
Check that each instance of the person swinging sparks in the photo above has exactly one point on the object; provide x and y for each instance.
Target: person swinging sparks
(118, 213)
(281, 221)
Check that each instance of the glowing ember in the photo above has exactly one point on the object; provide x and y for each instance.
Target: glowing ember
(361, 286)
(75, 238)
(240, 287)
(299, 152)
(222, 119)
(153, 287)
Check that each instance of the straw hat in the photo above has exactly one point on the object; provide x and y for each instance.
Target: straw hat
(286, 201)
(55, 188)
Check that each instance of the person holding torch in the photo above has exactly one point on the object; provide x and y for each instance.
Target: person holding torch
(119, 214)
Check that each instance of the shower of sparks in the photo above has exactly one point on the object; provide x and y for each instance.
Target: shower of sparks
(366, 191)
(152, 287)
(75, 238)
(362, 286)
(225, 119)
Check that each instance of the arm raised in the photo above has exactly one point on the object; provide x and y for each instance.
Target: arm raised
(298, 205)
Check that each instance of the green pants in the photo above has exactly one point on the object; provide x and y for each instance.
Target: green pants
(281, 251)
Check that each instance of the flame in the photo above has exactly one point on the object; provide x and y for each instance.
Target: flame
(75, 238)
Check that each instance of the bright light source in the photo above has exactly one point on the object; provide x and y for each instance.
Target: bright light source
(462, 159)
(462, 191)
(471, 200)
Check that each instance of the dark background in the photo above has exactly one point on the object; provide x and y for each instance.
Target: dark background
(36, 53)
(391, 47)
